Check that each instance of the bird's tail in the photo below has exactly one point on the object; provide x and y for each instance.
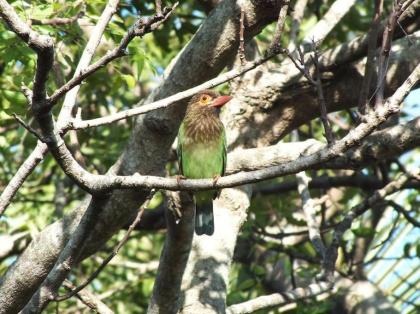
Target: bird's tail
(204, 220)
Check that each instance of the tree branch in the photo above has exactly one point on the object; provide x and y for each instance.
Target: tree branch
(41, 149)
(43, 46)
(275, 43)
(105, 262)
(334, 14)
(69, 103)
(370, 64)
(57, 21)
(100, 183)
(171, 100)
(385, 50)
(90, 300)
(405, 213)
(361, 181)
(141, 27)
(278, 299)
(309, 210)
(67, 259)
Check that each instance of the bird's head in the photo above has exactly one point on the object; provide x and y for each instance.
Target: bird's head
(208, 99)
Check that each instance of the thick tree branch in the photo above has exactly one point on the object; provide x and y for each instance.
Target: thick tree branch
(71, 253)
(381, 145)
(271, 110)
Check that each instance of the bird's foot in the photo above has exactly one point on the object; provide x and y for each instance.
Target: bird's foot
(215, 179)
(179, 178)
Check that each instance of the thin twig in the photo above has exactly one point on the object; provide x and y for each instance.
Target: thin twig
(89, 299)
(110, 256)
(321, 99)
(405, 213)
(385, 50)
(275, 44)
(303, 67)
(28, 127)
(58, 21)
(370, 65)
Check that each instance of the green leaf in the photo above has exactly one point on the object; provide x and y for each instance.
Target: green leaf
(259, 270)
(129, 80)
(17, 101)
(246, 284)
(363, 232)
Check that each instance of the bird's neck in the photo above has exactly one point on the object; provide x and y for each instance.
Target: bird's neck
(202, 124)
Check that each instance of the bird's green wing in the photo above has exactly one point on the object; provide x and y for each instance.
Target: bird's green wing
(181, 136)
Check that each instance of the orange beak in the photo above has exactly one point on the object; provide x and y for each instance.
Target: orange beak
(220, 101)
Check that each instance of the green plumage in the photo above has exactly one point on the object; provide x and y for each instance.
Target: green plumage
(202, 154)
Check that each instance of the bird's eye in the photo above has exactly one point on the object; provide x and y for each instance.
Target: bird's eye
(204, 99)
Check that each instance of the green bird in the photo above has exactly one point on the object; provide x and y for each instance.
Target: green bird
(202, 151)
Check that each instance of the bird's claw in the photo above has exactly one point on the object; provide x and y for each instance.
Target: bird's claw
(215, 179)
(179, 178)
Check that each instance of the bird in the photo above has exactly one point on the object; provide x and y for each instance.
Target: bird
(201, 151)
